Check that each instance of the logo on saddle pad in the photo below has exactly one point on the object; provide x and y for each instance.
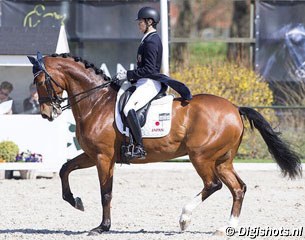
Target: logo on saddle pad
(158, 119)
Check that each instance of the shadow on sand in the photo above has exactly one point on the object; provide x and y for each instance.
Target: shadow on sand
(67, 232)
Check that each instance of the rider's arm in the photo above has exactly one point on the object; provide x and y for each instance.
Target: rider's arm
(148, 67)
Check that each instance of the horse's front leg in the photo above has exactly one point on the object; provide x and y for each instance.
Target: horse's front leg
(105, 172)
(79, 162)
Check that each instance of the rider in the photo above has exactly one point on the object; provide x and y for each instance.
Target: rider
(146, 77)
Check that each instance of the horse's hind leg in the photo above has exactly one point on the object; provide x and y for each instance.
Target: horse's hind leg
(206, 170)
(237, 188)
(79, 162)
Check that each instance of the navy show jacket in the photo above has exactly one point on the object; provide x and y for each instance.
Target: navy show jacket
(149, 60)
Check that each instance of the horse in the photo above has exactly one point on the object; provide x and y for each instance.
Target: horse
(208, 128)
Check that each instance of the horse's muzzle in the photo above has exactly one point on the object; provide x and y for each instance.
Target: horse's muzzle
(50, 112)
(45, 116)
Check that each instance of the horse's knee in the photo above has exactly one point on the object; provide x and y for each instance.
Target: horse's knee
(240, 193)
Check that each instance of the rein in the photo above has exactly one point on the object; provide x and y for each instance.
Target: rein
(52, 97)
(81, 93)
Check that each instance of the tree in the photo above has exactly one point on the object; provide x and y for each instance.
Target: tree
(240, 28)
(182, 30)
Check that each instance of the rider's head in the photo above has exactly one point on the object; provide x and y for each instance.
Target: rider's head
(149, 16)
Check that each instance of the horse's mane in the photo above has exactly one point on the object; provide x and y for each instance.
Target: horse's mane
(85, 62)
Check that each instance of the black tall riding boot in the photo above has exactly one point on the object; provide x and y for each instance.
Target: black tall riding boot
(134, 126)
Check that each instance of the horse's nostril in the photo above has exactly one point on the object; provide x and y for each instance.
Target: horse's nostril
(44, 115)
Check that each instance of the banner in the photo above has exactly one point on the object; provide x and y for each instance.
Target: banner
(28, 26)
(280, 40)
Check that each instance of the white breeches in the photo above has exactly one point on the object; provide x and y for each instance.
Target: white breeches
(146, 90)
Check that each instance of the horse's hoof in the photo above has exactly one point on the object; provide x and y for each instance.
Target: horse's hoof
(96, 231)
(79, 204)
(184, 222)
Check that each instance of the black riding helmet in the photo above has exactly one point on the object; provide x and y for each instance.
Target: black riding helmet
(149, 12)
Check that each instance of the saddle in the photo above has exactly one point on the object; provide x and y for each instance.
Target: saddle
(142, 112)
(154, 117)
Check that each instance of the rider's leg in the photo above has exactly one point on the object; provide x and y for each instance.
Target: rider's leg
(134, 126)
(145, 91)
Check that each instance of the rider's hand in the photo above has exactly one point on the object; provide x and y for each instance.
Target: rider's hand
(122, 75)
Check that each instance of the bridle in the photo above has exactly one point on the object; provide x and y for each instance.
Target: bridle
(53, 98)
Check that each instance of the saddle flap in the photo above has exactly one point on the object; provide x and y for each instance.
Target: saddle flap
(142, 112)
(160, 108)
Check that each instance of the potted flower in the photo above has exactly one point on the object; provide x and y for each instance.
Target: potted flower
(8, 151)
(28, 156)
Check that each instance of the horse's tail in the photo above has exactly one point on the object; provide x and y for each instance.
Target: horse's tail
(287, 159)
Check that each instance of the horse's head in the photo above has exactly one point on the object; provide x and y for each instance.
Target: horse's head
(78, 77)
(295, 43)
(49, 90)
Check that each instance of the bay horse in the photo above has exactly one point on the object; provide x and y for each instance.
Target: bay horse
(208, 128)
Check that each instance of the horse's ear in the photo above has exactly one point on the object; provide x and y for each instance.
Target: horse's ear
(32, 59)
(39, 57)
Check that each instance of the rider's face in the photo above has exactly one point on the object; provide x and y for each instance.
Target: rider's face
(142, 25)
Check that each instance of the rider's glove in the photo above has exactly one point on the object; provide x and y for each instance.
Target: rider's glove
(121, 75)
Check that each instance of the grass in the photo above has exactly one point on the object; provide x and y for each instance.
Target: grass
(203, 53)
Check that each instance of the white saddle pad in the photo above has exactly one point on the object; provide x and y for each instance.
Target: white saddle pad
(158, 120)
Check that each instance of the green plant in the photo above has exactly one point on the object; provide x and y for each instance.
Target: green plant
(8, 151)
(238, 84)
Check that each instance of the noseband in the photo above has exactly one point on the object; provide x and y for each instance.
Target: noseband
(53, 98)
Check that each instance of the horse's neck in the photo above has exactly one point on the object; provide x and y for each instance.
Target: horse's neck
(87, 103)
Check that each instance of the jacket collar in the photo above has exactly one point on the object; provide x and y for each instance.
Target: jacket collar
(148, 33)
